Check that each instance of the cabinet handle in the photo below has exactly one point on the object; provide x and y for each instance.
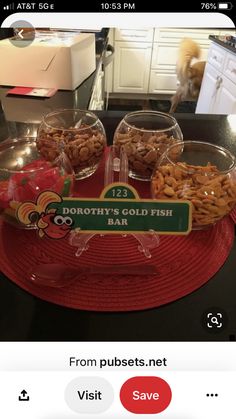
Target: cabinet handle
(218, 82)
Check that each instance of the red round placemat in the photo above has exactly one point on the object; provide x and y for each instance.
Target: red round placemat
(184, 264)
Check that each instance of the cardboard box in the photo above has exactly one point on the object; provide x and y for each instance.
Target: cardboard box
(59, 60)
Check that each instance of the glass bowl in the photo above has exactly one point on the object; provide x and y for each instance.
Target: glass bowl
(204, 174)
(79, 133)
(145, 135)
(24, 175)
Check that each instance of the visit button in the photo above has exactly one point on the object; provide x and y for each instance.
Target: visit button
(145, 395)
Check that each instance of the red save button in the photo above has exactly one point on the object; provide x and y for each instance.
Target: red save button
(145, 395)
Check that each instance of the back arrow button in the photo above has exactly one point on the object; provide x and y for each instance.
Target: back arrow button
(20, 33)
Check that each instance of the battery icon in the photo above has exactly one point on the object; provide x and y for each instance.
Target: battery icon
(225, 6)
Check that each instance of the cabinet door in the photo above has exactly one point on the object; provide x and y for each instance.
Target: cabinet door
(208, 97)
(175, 35)
(227, 98)
(134, 35)
(217, 56)
(230, 67)
(164, 56)
(162, 81)
(132, 67)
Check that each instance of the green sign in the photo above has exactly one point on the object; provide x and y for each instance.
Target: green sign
(120, 210)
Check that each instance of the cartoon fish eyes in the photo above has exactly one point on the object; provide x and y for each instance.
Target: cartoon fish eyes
(68, 221)
(59, 220)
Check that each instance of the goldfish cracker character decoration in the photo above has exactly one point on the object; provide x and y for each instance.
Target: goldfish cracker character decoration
(48, 222)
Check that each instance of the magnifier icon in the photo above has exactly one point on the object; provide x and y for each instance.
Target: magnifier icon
(214, 320)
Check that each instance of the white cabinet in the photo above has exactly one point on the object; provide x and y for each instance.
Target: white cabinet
(218, 90)
(209, 90)
(163, 79)
(216, 57)
(230, 67)
(134, 35)
(145, 59)
(132, 66)
(132, 62)
(227, 98)
(175, 35)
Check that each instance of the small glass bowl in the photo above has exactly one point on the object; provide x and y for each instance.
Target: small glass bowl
(204, 174)
(24, 175)
(144, 136)
(80, 134)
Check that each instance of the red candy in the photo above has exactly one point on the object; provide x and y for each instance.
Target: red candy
(37, 176)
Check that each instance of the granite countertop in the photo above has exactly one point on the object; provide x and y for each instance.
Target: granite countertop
(227, 42)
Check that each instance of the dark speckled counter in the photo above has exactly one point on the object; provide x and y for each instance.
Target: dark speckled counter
(223, 43)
